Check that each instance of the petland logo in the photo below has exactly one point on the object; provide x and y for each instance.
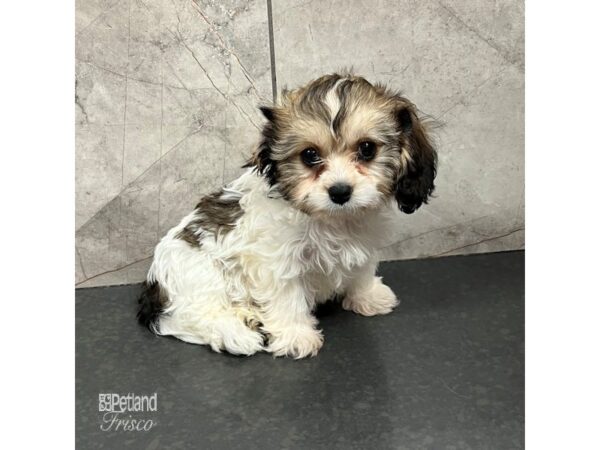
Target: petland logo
(127, 412)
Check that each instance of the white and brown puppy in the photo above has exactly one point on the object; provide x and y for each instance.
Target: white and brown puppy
(244, 271)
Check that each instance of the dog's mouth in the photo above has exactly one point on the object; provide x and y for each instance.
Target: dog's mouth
(355, 206)
(343, 211)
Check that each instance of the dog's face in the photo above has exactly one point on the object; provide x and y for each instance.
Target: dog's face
(340, 145)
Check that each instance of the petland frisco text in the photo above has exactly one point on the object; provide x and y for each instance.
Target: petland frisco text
(118, 411)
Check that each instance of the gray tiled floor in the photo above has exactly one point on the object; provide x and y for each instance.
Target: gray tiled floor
(445, 370)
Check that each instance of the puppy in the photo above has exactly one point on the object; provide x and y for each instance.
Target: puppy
(246, 268)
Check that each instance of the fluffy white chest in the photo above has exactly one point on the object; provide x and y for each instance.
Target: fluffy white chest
(322, 256)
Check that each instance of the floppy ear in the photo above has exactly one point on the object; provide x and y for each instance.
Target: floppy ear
(415, 184)
(261, 159)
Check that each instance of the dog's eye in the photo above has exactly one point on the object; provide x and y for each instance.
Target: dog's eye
(366, 150)
(310, 156)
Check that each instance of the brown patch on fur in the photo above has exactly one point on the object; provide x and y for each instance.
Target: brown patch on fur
(152, 301)
(311, 99)
(188, 235)
(253, 323)
(214, 214)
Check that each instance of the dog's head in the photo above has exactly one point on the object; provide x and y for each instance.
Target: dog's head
(340, 144)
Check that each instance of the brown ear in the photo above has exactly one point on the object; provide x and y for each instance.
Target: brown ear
(415, 184)
(261, 158)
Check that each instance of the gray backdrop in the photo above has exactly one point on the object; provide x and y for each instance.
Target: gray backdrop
(166, 96)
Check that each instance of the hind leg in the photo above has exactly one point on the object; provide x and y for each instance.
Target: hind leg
(196, 306)
(224, 330)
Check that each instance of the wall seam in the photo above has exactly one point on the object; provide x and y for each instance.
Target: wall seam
(272, 50)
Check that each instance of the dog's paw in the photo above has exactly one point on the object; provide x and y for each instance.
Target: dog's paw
(297, 341)
(242, 341)
(377, 299)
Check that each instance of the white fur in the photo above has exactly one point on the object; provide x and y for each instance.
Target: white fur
(341, 170)
(332, 101)
(272, 268)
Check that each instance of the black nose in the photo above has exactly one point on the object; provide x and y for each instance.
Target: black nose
(340, 193)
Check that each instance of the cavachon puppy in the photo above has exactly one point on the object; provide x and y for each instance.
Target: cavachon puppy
(245, 269)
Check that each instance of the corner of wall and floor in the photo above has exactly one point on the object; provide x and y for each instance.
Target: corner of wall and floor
(166, 95)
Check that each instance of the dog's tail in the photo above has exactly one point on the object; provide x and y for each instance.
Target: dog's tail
(151, 305)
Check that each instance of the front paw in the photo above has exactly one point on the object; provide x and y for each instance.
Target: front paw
(297, 341)
(374, 300)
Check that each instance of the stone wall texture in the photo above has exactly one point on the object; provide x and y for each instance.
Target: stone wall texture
(166, 107)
